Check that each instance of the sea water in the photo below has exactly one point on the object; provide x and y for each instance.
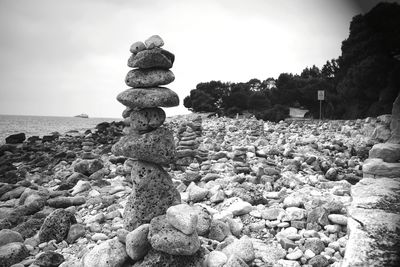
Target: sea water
(44, 125)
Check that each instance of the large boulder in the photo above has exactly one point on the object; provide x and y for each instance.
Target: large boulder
(12, 253)
(152, 194)
(15, 138)
(56, 225)
(9, 236)
(388, 152)
(375, 167)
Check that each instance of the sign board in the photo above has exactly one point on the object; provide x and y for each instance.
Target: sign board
(321, 95)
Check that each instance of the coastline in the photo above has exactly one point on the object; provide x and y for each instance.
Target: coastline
(279, 166)
(45, 125)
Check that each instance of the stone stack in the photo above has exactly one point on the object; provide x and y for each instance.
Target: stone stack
(148, 144)
(88, 147)
(256, 128)
(219, 134)
(158, 228)
(188, 143)
(384, 158)
(240, 163)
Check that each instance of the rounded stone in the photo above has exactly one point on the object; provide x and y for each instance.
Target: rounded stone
(88, 167)
(219, 230)
(164, 237)
(331, 174)
(148, 77)
(126, 113)
(136, 242)
(154, 41)
(216, 259)
(338, 219)
(153, 58)
(157, 146)
(294, 255)
(240, 208)
(56, 225)
(203, 220)
(183, 218)
(318, 261)
(49, 259)
(316, 245)
(64, 202)
(147, 119)
(152, 97)
(152, 194)
(110, 253)
(12, 253)
(75, 231)
(9, 236)
(15, 138)
(242, 248)
(235, 261)
(136, 47)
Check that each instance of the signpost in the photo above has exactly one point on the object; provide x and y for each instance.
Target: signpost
(321, 97)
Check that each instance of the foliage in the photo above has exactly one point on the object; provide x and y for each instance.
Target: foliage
(275, 114)
(363, 81)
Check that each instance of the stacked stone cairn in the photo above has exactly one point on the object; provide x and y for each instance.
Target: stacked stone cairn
(240, 163)
(256, 129)
(188, 143)
(150, 146)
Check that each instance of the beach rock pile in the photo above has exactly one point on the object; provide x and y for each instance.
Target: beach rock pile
(150, 146)
(256, 128)
(294, 207)
(148, 143)
(188, 144)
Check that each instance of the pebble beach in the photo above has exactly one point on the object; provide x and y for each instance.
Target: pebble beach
(62, 201)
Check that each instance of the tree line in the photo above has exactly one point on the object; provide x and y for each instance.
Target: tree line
(363, 81)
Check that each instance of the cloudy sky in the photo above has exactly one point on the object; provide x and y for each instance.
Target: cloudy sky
(66, 57)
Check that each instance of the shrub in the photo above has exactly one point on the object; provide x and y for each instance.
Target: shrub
(275, 114)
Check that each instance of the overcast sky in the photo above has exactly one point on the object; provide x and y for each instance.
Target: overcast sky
(66, 57)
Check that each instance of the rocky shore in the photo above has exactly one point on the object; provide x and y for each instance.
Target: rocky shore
(199, 190)
(265, 194)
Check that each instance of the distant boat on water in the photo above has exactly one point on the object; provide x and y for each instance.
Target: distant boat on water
(82, 116)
